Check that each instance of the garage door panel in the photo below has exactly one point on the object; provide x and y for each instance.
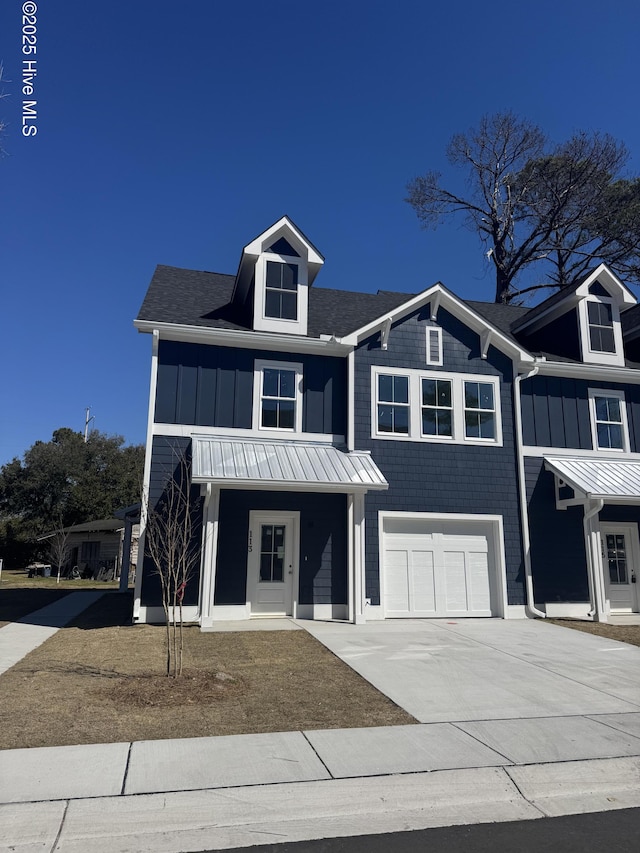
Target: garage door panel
(423, 592)
(478, 574)
(397, 581)
(455, 582)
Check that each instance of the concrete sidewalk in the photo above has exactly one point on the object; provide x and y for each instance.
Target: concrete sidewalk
(518, 721)
(229, 792)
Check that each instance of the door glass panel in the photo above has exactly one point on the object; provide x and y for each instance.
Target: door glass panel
(272, 550)
(617, 558)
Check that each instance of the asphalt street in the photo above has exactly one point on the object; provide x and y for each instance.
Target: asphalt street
(615, 830)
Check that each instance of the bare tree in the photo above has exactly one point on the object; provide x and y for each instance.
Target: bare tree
(562, 209)
(171, 540)
(59, 550)
(493, 154)
(3, 94)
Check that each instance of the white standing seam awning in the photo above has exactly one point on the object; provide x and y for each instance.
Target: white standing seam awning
(290, 465)
(610, 480)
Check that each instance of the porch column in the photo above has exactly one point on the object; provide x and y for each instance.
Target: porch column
(209, 553)
(358, 559)
(594, 561)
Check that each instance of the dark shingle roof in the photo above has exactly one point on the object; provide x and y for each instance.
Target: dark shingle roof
(193, 298)
(503, 317)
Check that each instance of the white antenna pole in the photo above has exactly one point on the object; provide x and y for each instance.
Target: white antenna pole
(87, 421)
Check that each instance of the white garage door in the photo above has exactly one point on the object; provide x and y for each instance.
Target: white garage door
(438, 568)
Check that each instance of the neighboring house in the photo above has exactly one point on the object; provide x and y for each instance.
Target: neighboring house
(364, 456)
(98, 548)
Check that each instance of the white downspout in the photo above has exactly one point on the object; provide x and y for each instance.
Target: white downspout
(591, 558)
(524, 511)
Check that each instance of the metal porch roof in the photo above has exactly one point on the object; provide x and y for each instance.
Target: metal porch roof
(292, 465)
(610, 479)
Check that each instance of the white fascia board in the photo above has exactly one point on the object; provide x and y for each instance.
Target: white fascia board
(593, 372)
(293, 486)
(455, 306)
(284, 226)
(245, 339)
(620, 293)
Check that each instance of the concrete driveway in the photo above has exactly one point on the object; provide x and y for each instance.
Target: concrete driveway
(491, 669)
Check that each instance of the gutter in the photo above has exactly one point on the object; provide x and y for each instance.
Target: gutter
(524, 510)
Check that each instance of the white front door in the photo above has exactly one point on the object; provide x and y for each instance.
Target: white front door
(272, 562)
(620, 565)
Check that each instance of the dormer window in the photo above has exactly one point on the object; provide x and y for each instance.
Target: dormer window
(600, 319)
(273, 280)
(281, 291)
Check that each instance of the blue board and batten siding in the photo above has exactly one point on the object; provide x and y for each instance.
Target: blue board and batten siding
(323, 544)
(555, 412)
(166, 464)
(440, 477)
(212, 386)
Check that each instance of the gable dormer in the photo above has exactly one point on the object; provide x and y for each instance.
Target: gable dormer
(581, 321)
(275, 273)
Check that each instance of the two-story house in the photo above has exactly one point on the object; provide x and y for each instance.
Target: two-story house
(365, 456)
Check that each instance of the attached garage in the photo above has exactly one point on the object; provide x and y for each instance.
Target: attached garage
(441, 565)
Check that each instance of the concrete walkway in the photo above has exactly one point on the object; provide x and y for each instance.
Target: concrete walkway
(519, 720)
(19, 638)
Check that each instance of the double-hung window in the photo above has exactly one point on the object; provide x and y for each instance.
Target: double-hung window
(608, 420)
(278, 396)
(479, 410)
(437, 407)
(393, 404)
(600, 321)
(281, 291)
(420, 405)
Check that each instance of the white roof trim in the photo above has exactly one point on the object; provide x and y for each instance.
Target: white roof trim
(244, 338)
(455, 306)
(286, 465)
(598, 479)
(593, 372)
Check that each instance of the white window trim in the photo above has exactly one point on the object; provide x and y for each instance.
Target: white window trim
(590, 356)
(258, 374)
(437, 332)
(415, 406)
(606, 392)
(275, 324)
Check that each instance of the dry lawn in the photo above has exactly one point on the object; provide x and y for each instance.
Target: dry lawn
(623, 633)
(100, 680)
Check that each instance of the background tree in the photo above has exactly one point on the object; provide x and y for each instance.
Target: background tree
(59, 550)
(172, 542)
(563, 208)
(63, 482)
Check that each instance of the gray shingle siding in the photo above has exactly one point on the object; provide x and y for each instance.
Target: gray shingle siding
(440, 478)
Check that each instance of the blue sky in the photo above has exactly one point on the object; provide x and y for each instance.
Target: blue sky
(174, 133)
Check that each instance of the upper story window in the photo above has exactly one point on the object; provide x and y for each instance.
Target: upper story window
(600, 320)
(393, 404)
(278, 396)
(281, 291)
(608, 420)
(600, 329)
(437, 407)
(479, 410)
(417, 405)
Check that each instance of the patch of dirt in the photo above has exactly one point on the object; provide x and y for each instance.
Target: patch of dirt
(623, 633)
(101, 680)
